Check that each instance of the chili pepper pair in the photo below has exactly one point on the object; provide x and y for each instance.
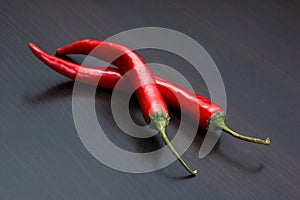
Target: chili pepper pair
(152, 92)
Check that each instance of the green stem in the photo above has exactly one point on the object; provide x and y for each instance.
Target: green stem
(159, 121)
(218, 120)
(267, 141)
(168, 143)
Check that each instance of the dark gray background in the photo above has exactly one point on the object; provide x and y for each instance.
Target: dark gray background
(256, 46)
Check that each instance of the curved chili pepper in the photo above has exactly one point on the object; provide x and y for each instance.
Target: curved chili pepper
(211, 114)
(109, 77)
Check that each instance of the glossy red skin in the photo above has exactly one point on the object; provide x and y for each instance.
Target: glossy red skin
(148, 95)
(110, 76)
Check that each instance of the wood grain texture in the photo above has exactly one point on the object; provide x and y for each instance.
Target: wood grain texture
(256, 46)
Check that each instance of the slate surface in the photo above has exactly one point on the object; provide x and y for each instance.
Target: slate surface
(256, 47)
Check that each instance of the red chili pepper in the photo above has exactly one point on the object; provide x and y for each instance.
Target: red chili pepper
(211, 114)
(207, 108)
(151, 102)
